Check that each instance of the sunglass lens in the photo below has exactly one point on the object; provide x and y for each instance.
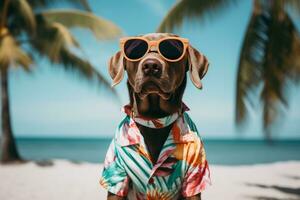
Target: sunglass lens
(135, 48)
(171, 48)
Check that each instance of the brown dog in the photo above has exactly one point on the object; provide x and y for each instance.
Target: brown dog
(156, 87)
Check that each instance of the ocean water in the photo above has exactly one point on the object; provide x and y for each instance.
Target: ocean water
(222, 152)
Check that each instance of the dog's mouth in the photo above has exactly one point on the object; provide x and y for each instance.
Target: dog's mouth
(152, 88)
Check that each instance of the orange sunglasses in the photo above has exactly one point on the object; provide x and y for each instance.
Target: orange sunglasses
(170, 48)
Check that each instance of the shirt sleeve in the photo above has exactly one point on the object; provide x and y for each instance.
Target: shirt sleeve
(114, 177)
(197, 176)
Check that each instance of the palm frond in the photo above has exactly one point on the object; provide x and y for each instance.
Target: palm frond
(62, 38)
(276, 71)
(53, 41)
(264, 61)
(294, 59)
(72, 62)
(51, 38)
(249, 68)
(80, 4)
(12, 54)
(294, 5)
(101, 28)
(191, 9)
(20, 14)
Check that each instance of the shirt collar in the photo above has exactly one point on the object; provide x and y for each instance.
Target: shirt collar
(154, 122)
(129, 134)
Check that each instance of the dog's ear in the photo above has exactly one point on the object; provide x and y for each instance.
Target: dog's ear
(198, 66)
(116, 68)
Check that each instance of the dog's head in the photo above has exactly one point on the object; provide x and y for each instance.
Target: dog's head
(155, 83)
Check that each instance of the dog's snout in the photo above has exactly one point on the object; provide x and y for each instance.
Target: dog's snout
(152, 67)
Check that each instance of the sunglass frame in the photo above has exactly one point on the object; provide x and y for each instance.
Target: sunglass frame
(156, 43)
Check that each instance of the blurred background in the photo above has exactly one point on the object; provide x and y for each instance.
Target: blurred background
(61, 104)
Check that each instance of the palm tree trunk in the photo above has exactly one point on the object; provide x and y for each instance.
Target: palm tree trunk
(9, 148)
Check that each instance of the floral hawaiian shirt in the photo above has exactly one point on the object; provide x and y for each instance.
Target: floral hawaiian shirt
(180, 171)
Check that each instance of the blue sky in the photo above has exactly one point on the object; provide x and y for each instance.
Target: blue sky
(50, 102)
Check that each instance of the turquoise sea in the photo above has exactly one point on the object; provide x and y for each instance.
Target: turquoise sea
(224, 152)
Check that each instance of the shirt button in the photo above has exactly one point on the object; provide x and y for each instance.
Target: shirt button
(151, 180)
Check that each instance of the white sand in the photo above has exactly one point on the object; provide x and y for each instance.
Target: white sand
(68, 181)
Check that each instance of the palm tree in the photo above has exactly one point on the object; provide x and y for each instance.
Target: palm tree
(270, 55)
(28, 31)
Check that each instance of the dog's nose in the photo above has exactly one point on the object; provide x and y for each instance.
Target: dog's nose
(152, 67)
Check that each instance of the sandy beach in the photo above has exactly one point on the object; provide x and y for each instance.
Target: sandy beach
(61, 179)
